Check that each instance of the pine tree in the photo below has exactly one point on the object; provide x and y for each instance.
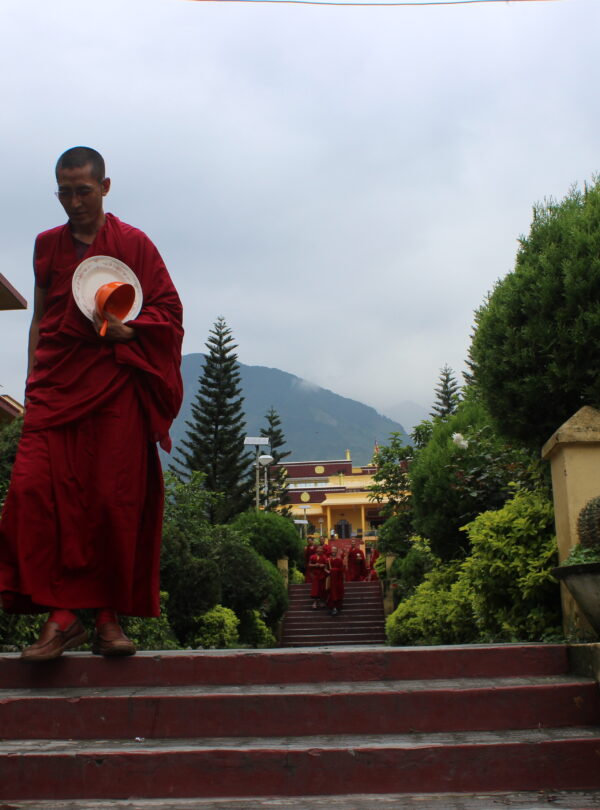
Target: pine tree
(446, 394)
(215, 437)
(277, 478)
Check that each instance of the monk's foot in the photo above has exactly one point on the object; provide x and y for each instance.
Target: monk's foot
(110, 640)
(53, 641)
(334, 612)
(314, 605)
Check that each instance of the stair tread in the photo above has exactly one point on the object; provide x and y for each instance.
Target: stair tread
(309, 688)
(41, 747)
(522, 800)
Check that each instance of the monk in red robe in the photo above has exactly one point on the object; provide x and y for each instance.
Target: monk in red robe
(356, 570)
(335, 594)
(309, 550)
(81, 526)
(318, 570)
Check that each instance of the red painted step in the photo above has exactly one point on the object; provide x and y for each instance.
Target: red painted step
(529, 760)
(282, 666)
(383, 720)
(393, 707)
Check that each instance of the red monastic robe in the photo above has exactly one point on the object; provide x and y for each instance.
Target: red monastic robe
(309, 550)
(81, 526)
(357, 569)
(318, 563)
(335, 595)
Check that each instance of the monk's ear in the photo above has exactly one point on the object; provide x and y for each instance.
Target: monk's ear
(105, 186)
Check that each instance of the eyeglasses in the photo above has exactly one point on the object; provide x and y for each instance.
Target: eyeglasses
(66, 194)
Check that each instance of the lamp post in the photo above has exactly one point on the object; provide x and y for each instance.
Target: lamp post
(257, 442)
(264, 462)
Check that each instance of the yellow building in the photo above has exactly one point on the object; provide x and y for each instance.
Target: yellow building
(333, 496)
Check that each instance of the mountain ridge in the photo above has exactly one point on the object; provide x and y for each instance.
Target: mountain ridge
(317, 423)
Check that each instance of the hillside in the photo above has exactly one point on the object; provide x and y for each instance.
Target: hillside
(317, 423)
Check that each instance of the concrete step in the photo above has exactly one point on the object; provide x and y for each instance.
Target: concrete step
(283, 666)
(529, 760)
(390, 707)
(528, 800)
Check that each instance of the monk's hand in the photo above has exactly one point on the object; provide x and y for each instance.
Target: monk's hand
(117, 331)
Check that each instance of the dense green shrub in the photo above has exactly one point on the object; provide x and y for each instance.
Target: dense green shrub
(254, 631)
(272, 535)
(217, 629)
(508, 575)
(151, 634)
(394, 535)
(530, 353)
(503, 591)
(18, 631)
(409, 571)
(439, 612)
(451, 484)
(9, 441)
(245, 580)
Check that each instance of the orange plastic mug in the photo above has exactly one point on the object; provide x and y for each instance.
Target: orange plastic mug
(116, 297)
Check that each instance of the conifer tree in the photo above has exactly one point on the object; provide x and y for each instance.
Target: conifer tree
(277, 479)
(446, 394)
(214, 443)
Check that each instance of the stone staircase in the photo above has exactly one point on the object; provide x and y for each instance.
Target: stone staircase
(367, 726)
(360, 622)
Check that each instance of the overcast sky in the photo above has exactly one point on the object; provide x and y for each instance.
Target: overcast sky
(343, 185)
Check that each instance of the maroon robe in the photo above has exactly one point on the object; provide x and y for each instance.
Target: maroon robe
(309, 550)
(335, 594)
(318, 564)
(357, 569)
(81, 526)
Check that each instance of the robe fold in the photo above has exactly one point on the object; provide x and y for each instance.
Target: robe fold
(357, 570)
(81, 526)
(335, 594)
(318, 563)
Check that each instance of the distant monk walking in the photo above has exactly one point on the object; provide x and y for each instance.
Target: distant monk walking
(335, 594)
(318, 570)
(357, 569)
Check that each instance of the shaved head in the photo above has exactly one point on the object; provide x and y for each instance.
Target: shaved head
(80, 156)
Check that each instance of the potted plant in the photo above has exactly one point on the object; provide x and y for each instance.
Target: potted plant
(580, 571)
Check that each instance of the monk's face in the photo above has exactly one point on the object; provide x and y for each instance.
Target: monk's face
(82, 197)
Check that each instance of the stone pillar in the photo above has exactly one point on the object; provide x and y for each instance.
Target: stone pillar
(574, 456)
(283, 567)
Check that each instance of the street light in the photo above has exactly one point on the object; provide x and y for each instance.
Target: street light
(264, 461)
(257, 442)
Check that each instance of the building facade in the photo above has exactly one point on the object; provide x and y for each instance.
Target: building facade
(333, 496)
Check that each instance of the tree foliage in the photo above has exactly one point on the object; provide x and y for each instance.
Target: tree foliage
(530, 352)
(215, 437)
(276, 475)
(9, 441)
(502, 591)
(446, 394)
(271, 534)
(452, 483)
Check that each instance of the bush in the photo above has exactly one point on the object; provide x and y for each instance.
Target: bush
(409, 571)
(245, 579)
(452, 484)
(9, 441)
(254, 631)
(395, 533)
(272, 535)
(508, 575)
(217, 629)
(18, 630)
(151, 634)
(504, 591)
(439, 612)
(530, 353)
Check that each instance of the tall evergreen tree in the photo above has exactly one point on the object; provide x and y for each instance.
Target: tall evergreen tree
(446, 394)
(215, 437)
(277, 478)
